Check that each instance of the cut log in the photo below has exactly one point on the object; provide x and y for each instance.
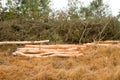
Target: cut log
(23, 42)
(30, 50)
(39, 51)
(108, 42)
(57, 46)
(50, 46)
(46, 54)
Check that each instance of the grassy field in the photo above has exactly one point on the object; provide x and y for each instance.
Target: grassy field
(97, 63)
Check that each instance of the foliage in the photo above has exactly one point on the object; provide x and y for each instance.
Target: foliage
(73, 9)
(96, 9)
(32, 20)
(32, 9)
(0, 10)
(61, 31)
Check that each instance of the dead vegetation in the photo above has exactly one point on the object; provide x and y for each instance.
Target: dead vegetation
(97, 63)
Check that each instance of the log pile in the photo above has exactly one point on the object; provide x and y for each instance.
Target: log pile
(50, 50)
(60, 50)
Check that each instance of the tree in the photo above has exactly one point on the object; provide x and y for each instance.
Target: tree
(0, 6)
(96, 9)
(35, 8)
(6, 12)
(118, 16)
(0, 10)
(29, 8)
(73, 9)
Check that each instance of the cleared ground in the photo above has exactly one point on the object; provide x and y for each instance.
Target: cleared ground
(96, 63)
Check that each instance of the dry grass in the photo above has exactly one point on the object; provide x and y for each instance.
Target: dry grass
(98, 63)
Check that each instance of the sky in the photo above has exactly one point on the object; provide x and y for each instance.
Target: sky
(114, 5)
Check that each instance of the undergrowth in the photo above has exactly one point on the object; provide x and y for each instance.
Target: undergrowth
(61, 31)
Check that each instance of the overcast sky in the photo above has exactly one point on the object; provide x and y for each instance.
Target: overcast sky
(114, 4)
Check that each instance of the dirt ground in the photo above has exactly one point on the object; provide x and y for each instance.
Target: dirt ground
(97, 63)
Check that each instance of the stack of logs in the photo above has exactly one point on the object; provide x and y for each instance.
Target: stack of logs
(50, 50)
(60, 50)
